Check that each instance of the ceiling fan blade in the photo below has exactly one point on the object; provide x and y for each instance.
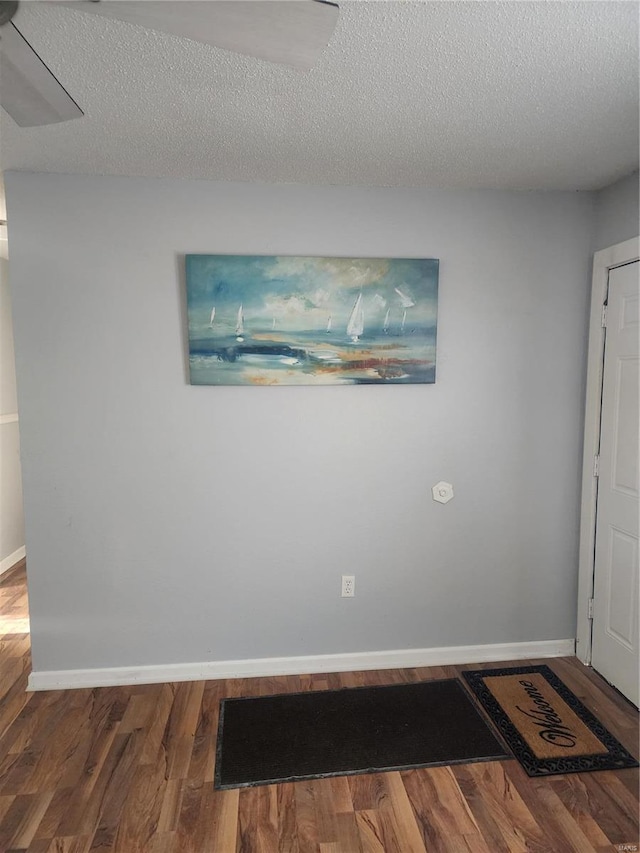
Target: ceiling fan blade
(288, 32)
(29, 92)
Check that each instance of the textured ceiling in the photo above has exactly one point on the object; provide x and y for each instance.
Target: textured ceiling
(458, 94)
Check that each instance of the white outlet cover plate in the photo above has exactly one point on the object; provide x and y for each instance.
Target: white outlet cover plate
(348, 586)
(442, 492)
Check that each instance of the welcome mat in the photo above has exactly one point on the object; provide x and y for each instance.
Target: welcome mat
(547, 727)
(309, 735)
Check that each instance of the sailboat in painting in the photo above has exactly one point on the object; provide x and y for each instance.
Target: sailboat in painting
(385, 325)
(329, 325)
(240, 325)
(407, 302)
(355, 326)
(211, 319)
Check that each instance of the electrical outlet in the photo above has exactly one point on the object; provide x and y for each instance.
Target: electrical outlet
(348, 586)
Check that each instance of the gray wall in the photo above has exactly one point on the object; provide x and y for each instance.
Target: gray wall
(170, 523)
(11, 512)
(617, 217)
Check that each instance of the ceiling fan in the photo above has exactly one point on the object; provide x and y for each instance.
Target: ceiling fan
(288, 32)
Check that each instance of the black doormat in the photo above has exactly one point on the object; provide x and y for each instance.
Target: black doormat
(296, 736)
(546, 726)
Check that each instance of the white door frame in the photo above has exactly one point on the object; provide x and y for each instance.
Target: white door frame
(603, 261)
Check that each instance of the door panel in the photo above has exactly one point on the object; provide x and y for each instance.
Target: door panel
(622, 559)
(625, 472)
(615, 641)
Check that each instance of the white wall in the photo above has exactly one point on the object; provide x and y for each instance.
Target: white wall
(11, 512)
(617, 217)
(170, 523)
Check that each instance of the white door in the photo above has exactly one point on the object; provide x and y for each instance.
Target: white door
(615, 640)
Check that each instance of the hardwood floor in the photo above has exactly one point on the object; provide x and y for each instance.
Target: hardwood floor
(130, 769)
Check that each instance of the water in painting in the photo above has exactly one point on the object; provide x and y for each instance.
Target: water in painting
(278, 320)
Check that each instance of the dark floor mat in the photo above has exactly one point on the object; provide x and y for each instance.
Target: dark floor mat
(340, 732)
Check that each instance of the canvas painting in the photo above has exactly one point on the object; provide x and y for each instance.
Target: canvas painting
(279, 320)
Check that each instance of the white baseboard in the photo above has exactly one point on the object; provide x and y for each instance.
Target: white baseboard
(10, 561)
(351, 662)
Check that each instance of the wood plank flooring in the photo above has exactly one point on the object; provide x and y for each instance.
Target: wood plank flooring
(130, 769)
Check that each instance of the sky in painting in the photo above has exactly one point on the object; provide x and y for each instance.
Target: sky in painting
(302, 292)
